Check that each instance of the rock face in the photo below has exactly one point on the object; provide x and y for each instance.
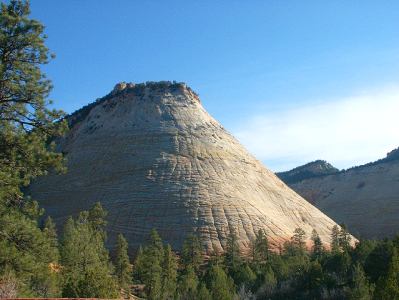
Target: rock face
(156, 159)
(366, 198)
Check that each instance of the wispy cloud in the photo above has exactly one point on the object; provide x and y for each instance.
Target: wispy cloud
(346, 132)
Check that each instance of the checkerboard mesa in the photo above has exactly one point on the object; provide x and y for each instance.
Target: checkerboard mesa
(154, 158)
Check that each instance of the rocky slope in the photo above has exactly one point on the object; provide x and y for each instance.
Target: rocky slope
(156, 159)
(366, 198)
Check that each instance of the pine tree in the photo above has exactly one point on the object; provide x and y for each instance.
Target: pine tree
(26, 124)
(188, 284)
(203, 293)
(192, 252)
(268, 284)
(216, 259)
(97, 217)
(388, 285)
(344, 238)
(67, 236)
(232, 255)
(360, 288)
(156, 245)
(51, 281)
(169, 274)
(313, 280)
(148, 266)
(86, 269)
(335, 244)
(220, 285)
(260, 248)
(318, 248)
(378, 261)
(338, 263)
(244, 276)
(298, 239)
(123, 267)
(152, 280)
(295, 254)
(363, 250)
(138, 266)
(50, 233)
(26, 252)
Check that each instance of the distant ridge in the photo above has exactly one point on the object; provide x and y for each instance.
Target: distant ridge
(391, 156)
(315, 168)
(365, 197)
(319, 168)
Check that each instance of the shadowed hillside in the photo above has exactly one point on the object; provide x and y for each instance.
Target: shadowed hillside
(366, 197)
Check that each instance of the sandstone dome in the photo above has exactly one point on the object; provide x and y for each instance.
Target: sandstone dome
(154, 158)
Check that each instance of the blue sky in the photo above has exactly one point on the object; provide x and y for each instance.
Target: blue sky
(293, 80)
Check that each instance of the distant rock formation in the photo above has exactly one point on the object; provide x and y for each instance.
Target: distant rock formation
(393, 155)
(156, 159)
(310, 170)
(365, 198)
